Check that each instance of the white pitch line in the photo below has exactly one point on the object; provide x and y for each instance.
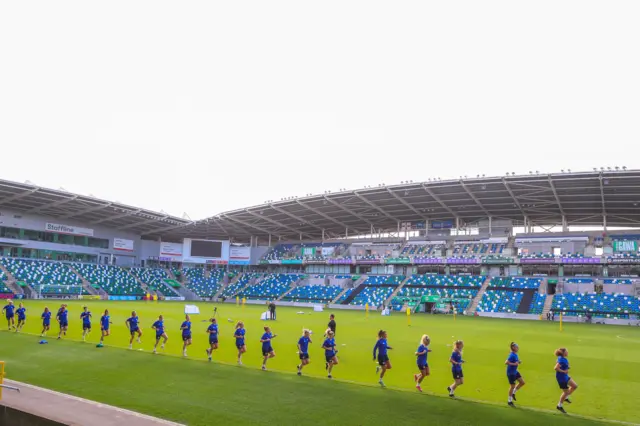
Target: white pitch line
(95, 403)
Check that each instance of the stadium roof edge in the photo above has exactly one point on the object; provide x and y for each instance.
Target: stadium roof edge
(578, 198)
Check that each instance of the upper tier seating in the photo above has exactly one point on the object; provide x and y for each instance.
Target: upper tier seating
(384, 280)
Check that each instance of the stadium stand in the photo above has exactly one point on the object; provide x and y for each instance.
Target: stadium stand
(374, 295)
(344, 296)
(597, 304)
(65, 290)
(313, 294)
(112, 279)
(446, 280)
(206, 287)
(537, 303)
(232, 289)
(3, 287)
(515, 282)
(37, 272)
(500, 301)
(152, 277)
(271, 287)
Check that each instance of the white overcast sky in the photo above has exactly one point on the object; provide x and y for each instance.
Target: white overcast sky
(207, 106)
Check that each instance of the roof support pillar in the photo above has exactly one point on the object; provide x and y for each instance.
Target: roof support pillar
(346, 232)
(490, 224)
(269, 240)
(604, 222)
(565, 227)
(323, 235)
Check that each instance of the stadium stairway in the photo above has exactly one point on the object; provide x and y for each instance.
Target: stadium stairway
(86, 284)
(11, 282)
(548, 302)
(172, 291)
(171, 275)
(293, 285)
(144, 286)
(207, 273)
(476, 300)
(358, 287)
(525, 302)
(395, 292)
(344, 290)
(252, 282)
(225, 283)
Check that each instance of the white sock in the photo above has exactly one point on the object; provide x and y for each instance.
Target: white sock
(510, 399)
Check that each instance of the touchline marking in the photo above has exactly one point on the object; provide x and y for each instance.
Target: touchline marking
(350, 382)
(95, 403)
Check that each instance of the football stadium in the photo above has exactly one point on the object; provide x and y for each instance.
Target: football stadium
(519, 281)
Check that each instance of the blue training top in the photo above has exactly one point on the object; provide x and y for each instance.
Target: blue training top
(329, 347)
(86, 317)
(62, 315)
(21, 313)
(213, 331)
(304, 344)
(512, 370)
(159, 326)
(104, 321)
(381, 347)
(46, 318)
(239, 335)
(457, 357)
(9, 310)
(133, 323)
(267, 344)
(422, 359)
(564, 365)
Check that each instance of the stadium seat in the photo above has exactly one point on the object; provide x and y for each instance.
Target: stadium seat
(500, 301)
(206, 287)
(38, 272)
(112, 279)
(597, 304)
(152, 277)
(313, 294)
(271, 287)
(515, 282)
(537, 303)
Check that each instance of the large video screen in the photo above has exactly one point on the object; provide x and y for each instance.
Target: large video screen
(210, 249)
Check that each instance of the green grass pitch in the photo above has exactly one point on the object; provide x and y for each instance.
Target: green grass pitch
(605, 362)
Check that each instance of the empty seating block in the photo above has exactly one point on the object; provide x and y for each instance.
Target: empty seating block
(3, 287)
(271, 287)
(153, 277)
(537, 303)
(344, 296)
(313, 293)
(447, 280)
(374, 296)
(384, 280)
(206, 287)
(232, 289)
(515, 282)
(37, 272)
(500, 301)
(112, 279)
(601, 305)
(50, 290)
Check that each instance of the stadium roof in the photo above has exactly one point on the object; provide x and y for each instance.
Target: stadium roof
(573, 199)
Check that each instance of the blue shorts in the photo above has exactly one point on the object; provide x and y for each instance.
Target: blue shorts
(457, 374)
(64, 323)
(329, 357)
(186, 336)
(383, 359)
(86, 326)
(513, 378)
(105, 328)
(266, 350)
(134, 330)
(46, 323)
(423, 366)
(239, 343)
(304, 355)
(564, 383)
(22, 318)
(159, 335)
(213, 340)
(9, 316)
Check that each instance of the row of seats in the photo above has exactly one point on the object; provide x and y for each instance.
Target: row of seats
(374, 296)
(344, 296)
(384, 280)
(271, 287)
(617, 281)
(537, 303)
(515, 282)
(580, 280)
(63, 290)
(3, 286)
(232, 289)
(38, 272)
(152, 277)
(446, 280)
(313, 294)
(422, 250)
(206, 287)
(478, 248)
(598, 304)
(500, 301)
(112, 279)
